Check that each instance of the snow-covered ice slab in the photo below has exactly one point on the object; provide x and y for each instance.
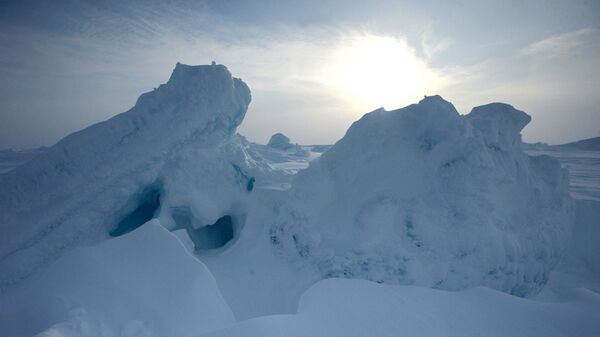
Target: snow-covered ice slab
(581, 265)
(175, 151)
(144, 283)
(10, 159)
(425, 196)
(358, 308)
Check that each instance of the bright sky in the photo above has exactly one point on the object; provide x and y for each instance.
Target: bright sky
(313, 66)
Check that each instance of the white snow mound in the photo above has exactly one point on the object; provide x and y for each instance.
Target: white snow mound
(358, 308)
(141, 284)
(425, 196)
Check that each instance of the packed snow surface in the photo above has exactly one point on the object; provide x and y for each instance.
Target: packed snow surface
(115, 289)
(358, 308)
(141, 284)
(163, 222)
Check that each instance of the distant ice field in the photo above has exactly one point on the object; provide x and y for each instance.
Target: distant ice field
(583, 166)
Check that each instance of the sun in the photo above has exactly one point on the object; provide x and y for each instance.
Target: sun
(380, 71)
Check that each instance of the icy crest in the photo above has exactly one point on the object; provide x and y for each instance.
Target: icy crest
(422, 195)
(500, 123)
(176, 149)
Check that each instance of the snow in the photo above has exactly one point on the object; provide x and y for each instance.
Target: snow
(162, 221)
(425, 196)
(581, 266)
(287, 162)
(141, 284)
(10, 159)
(283, 162)
(347, 308)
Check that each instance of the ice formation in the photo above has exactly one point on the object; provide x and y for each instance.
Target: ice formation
(173, 156)
(9, 159)
(420, 196)
(425, 196)
(280, 141)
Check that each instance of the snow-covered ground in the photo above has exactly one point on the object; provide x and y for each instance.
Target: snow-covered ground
(135, 285)
(163, 222)
(357, 308)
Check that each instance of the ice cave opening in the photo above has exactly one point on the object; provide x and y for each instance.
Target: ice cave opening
(205, 237)
(212, 236)
(148, 204)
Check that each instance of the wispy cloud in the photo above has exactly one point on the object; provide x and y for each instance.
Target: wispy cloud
(559, 44)
(432, 43)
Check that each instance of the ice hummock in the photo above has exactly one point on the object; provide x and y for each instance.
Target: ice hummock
(425, 196)
(283, 158)
(175, 151)
(10, 159)
(280, 141)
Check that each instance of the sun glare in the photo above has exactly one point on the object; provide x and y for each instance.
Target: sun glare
(376, 71)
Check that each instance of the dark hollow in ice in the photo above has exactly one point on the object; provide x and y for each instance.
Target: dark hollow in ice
(212, 236)
(206, 237)
(249, 180)
(250, 185)
(148, 203)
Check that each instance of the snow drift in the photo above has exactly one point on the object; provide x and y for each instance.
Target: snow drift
(173, 156)
(358, 308)
(141, 284)
(425, 196)
(420, 195)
